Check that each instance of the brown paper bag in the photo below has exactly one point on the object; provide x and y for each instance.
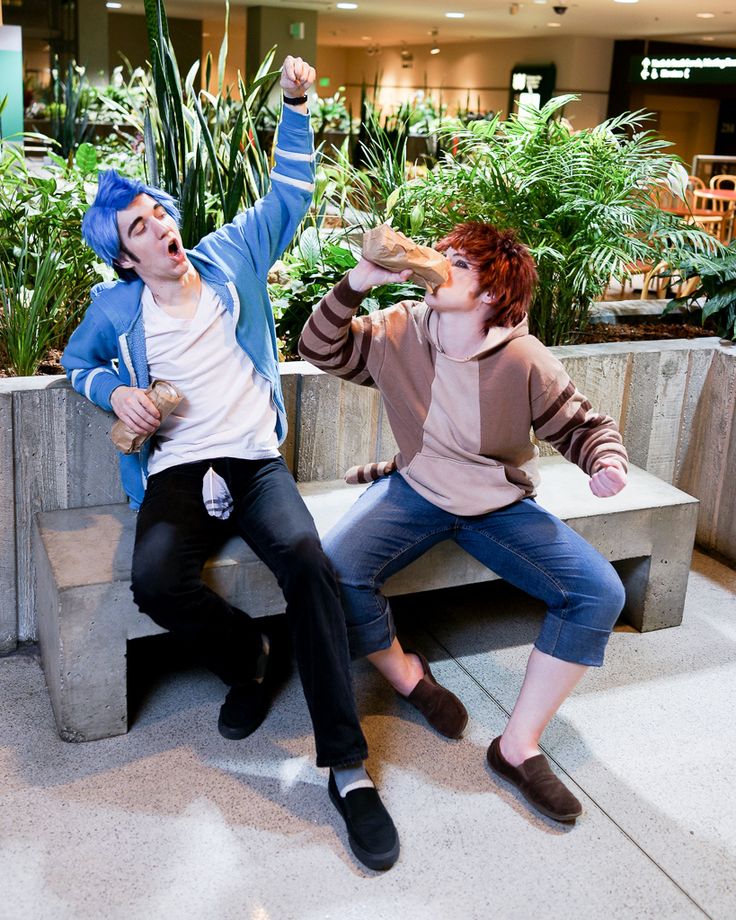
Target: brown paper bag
(165, 397)
(396, 252)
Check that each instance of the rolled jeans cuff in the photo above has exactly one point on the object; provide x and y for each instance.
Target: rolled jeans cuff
(572, 642)
(343, 761)
(365, 638)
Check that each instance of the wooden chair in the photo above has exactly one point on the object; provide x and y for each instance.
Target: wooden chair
(721, 223)
(694, 183)
(662, 278)
(713, 224)
(723, 180)
(657, 277)
(632, 271)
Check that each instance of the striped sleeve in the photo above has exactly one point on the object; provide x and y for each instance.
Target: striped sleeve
(562, 416)
(338, 342)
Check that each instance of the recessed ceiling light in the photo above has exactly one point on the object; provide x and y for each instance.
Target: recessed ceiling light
(554, 25)
(707, 38)
(114, 6)
(706, 15)
(455, 15)
(347, 6)
(625, 1)
(540, 2)
(366, 38)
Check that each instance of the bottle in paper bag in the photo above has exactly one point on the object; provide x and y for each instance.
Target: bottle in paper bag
(165, 397)
(392, 250)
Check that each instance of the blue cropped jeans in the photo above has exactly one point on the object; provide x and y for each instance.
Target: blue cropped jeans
(391, 525)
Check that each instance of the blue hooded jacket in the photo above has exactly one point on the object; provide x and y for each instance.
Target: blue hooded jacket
(108, 348)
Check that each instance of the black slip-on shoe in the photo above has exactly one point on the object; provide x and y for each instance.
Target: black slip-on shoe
(246, 705)
(371, 832)
(244, 709)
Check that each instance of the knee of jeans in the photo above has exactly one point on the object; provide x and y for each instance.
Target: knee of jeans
(616, 595)
(305, 560)
(154, 584)
(610, 596)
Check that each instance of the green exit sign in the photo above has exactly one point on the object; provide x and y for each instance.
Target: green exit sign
(685, 69)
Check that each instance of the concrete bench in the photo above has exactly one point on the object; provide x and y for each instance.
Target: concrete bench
(86, 612)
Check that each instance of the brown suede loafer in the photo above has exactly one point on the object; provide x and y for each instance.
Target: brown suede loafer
(537, 783)
(441, 708)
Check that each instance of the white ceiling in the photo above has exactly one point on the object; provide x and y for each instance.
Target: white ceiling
(387, 22)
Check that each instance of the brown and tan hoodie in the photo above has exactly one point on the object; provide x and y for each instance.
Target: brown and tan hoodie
(462, 425)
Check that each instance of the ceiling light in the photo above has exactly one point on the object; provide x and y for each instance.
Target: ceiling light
(347, 6)
(707, 38)
(554, 25)
(434, 50)
(540, 2)
(706, 15)
(625, 1)
(114, 6)
(454, 15)
(366, 38)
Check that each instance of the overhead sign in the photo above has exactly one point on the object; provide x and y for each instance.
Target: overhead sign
(720, 69)
(531, 85)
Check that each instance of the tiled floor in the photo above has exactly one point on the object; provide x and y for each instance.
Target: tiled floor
(172, 821)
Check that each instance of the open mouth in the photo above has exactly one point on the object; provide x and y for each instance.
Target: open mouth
(173, 248)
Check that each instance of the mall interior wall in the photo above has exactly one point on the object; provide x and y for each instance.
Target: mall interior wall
(93, 27)
(128, 38)
(293, 31)
(478, 72)
(213, 31)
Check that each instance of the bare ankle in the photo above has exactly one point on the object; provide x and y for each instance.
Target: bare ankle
(515, 751)
(413, 673)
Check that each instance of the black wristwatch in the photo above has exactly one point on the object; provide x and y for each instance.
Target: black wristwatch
(295, 100)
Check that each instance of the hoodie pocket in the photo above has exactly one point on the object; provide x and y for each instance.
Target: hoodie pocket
(464, 487)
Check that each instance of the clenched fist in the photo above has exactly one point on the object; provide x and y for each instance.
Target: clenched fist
(609, 480)
(296, 77)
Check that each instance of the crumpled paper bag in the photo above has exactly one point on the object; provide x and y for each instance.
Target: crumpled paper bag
(392, 250)
(165, 397)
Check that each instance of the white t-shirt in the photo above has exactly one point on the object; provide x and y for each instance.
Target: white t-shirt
(227, 409)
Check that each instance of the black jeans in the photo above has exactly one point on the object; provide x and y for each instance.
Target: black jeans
(174, 537)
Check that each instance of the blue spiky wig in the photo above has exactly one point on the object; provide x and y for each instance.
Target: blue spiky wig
(115, 193)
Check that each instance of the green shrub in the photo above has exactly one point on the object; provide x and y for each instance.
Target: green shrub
(715, 294)
(582, 201)
(46, 272)
(307, 272)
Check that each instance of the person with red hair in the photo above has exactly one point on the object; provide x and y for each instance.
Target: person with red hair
(464, 383)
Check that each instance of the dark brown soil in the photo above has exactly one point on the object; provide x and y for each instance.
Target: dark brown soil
(50, 365)
(641, 332)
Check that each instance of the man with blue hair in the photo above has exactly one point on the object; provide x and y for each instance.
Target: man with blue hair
(201, 320)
